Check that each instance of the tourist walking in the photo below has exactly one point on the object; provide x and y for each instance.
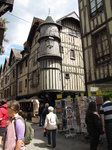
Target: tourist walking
(93, 125)
(14, 134)
(44, 113)
(106, 119)
(51, 122)
(41, 108)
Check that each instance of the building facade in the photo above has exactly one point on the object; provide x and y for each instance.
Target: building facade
(96, 23)
(51, 62)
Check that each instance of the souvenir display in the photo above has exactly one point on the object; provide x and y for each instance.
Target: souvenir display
(65, 113)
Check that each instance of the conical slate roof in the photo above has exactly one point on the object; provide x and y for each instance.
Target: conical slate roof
(49, 20)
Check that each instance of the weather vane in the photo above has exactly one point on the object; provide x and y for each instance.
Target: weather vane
(49, 12)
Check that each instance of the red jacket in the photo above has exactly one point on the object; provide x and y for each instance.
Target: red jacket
(4, 115)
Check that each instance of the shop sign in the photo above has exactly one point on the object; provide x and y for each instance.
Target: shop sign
(89, 94)
(59, 96)
(68, 96)
(82, 94)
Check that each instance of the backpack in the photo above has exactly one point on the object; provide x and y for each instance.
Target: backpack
(29, 131)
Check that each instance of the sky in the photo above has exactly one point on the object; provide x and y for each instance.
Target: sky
(21, 17)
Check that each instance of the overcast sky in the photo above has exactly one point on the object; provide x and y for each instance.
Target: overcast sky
(21, 17)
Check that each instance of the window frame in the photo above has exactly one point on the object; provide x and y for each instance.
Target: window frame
(104, 54)
(67, 76)
(20, 87)
(20, 68)
(36, 39)
(97, 9)
(25, 83)
(72, 56)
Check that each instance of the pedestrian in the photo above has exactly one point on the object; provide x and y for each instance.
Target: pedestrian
(106, 119)
(14, 134)
(93, 125)
(44, 113)
(51, 122)
(3, 118)
(41, 108)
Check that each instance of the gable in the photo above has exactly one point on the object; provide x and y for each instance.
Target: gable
(14, 55)
(6, 64)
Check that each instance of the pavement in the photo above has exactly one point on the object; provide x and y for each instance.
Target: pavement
(62, 143)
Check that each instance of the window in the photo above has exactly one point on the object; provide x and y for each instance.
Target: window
(95, 7)
(7, 93)
(14, 89)
(13, 73)
(10, 91)
(35, 78)
(72, 54)
(67, 76)
(20, 86)
(5, 79)
(25, 82)
(72, 32)
(50, 42)
(61, 49)
(35, 57)
(20, 68)
(26, 63)
(101, 47)
(36, 39)
(2, 83)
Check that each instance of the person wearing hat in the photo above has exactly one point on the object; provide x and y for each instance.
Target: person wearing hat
(51, 122)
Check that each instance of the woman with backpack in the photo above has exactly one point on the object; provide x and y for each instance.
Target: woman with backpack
(14, 134)
(51, 122)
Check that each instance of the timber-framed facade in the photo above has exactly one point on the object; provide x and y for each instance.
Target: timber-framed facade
(96, 29)
(51, 62)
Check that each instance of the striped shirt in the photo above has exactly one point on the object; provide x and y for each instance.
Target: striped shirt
(106, 110)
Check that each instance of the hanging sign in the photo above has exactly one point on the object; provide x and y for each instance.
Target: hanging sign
(89, 94)
(82, 94)
(68, 96)
(98, 92)
(76, 96)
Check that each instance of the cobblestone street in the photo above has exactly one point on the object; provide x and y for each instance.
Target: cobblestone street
(78, 143)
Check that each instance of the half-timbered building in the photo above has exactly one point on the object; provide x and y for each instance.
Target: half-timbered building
(96, 29)
(51, 62)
